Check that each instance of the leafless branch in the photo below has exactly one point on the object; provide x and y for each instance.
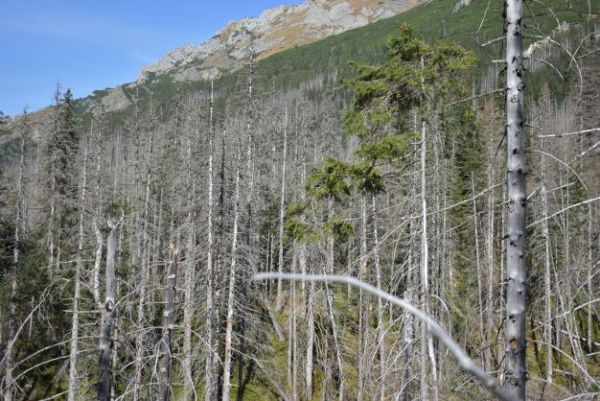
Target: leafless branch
(585, 131)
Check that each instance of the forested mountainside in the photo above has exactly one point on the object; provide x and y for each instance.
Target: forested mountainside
(131, 235)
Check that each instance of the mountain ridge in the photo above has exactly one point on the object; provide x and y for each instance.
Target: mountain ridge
(274, 30)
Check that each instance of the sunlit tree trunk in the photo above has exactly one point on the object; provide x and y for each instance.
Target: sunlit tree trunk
(279, 299)
(547, 276)
(142, 289)
(164, 383)
(516, 371)
(426, 339)
(231, 292)
(210, 379)
(329, 270)
(248, 231)
(362, 332)
(190, 279)
(73, 380)
(9, 357)
(108, 314)
(380, 310)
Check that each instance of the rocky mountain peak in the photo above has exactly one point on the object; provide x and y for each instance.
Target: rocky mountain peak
(274, 30)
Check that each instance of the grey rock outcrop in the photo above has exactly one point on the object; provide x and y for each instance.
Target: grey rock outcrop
(276, 29)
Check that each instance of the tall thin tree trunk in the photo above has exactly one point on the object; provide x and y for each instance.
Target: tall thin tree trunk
(145, 271)
(210, 379)
(279, 299)
(231, 292)
(380, 312)
(9, 383)
(547, 276)
(302, 246)
(307, 293)
(408, 330)
(190, 274)
(73, 380)
(361, 346)
(482, 336)
(164, 383)
(590, 281)
(51, 222)
(292, 335)
(491, 222)
(516, 371)
(108, 314)
(426, 339)
(248, 230)
(310, 342)
(329, 296)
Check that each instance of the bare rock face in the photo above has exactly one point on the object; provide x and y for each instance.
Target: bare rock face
(115, 100)
(276, 29)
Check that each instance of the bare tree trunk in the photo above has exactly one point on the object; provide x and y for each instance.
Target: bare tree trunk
(310, 342)
(292, 336)
(73, 380)
(108, 314)
(308, 296)
(426, 339)
(279, 299)
(380, 315)
(302, 246)
(231, 292)
(190, 274)
(361, 308)
(405, 393)
(590, 282)
(99, 239)
(145, 271)
(248, 231)
(164, 383)
(51, 222)
(210, 379)
(482, 336)
(490, 262)
(547, 276)
(329, 296)
(9, 383)
(516, 370)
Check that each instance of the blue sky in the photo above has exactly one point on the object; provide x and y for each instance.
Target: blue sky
(94, 44)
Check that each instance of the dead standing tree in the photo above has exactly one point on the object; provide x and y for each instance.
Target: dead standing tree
(108, 315)
(164, 384)
(516, 371)
(9, 381)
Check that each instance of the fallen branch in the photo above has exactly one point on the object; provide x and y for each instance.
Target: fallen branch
(463, 359)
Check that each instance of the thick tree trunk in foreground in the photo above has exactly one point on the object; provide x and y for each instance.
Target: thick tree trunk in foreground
(516, 372)
(108, 315)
